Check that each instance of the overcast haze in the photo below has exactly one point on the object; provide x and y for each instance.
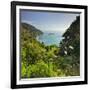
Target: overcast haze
(48, 21)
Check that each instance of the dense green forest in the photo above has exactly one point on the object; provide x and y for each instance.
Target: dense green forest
(39, 60)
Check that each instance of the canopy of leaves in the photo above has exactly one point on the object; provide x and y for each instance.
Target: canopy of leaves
(39, 60)
(71, 44)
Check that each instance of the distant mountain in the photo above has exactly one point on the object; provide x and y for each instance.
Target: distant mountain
(31, 29)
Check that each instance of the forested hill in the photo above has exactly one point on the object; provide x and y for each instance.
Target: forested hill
(70, 48)
(31, 29)
(72, 38)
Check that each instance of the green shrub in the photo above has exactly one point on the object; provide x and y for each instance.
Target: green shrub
(40, 69)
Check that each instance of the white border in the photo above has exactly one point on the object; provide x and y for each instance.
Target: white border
(53, 79)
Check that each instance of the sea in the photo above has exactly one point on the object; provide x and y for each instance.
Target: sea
(50, 38)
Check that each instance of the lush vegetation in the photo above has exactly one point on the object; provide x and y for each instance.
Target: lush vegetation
(39, 60)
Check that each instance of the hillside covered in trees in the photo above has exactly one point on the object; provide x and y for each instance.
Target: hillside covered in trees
(39, 60)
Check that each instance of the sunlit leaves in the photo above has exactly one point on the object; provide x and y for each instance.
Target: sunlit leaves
(39, 60)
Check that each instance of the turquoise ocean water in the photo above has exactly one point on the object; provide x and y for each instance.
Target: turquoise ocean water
(50, 38)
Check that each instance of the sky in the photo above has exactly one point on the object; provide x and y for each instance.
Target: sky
(48, 21)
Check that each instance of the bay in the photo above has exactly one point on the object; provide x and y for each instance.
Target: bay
(50, 38)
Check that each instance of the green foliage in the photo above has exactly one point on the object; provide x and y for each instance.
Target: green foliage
(39, 69)
(23, 70)
(71, 45)
(31, 29)
(71, 39)
(39, 60)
